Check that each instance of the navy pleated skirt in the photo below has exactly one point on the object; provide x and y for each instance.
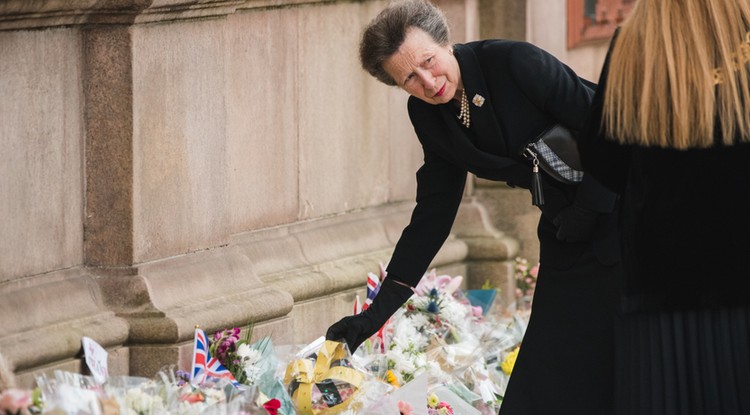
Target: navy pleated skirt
(684, 363)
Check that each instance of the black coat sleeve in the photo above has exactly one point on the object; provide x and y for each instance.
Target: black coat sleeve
(556, 89)
(551, 85)
(440, 187)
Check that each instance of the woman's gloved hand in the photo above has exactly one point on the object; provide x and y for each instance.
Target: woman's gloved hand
(358, 328)
(575, 224)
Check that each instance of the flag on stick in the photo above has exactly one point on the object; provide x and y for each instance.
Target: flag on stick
(205, 366)
(373, 286)
(357, 305)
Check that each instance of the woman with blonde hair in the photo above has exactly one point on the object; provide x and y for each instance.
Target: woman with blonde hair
(670, 132)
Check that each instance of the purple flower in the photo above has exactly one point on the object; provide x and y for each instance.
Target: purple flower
(182, 377)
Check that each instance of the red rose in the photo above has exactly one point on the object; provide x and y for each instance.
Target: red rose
(272, 406)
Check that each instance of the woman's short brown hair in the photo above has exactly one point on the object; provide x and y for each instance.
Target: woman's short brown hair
(387, 31)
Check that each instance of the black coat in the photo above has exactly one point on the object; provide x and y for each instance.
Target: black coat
(525, 90)
(684, 222)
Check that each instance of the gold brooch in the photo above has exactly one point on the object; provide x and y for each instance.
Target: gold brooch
(478, 100)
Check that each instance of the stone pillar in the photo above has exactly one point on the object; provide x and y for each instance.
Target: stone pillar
(490, 251)
(508, 209)
(108, 121)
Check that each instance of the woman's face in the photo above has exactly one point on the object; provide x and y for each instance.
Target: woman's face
(424, 68)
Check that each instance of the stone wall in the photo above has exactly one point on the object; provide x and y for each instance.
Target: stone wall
(173, 163)
(176, 163)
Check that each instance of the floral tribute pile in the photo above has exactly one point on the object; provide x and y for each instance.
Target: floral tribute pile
(437, 355)
(439, 332)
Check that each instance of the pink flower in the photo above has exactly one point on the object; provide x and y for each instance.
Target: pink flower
(404, 408)
(14, 400)
(476, 311)
(193, 397)
(534, 270)
(443, 283)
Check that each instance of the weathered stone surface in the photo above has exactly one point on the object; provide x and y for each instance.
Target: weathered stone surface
(41, 133)
(175, 163)
(108, 121)
(24, 14)
(44, 318)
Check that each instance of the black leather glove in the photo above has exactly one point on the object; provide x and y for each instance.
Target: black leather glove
(575, 224)
(358, 328)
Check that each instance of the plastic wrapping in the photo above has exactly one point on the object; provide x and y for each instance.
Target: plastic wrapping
(324, 379)
(266, 378)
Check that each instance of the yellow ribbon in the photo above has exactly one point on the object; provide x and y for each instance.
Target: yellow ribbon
(307, 374)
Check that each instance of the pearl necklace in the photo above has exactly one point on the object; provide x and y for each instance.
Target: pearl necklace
(464, 115)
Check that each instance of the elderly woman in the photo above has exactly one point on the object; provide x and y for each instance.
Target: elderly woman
(474, 107)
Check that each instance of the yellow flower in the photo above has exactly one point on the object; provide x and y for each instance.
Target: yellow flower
(391, 378)
(433, 400)
(510, 361)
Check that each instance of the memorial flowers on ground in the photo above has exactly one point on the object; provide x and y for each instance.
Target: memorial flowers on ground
(438, 334)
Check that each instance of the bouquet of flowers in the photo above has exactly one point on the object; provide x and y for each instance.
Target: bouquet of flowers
(68, 392)
(434, 406)
(235, 354)
(437, 407)
(433, 330)
(525, 283)
(324, 378)
(14, 401)
(167, 393)
(439, 334)
(253, 364)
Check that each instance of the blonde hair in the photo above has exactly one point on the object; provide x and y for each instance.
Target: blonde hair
(677, 69)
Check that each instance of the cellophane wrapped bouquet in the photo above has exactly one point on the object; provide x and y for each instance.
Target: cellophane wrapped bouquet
(167, 393)
(253, 364)
(322, 379)
(440, 333)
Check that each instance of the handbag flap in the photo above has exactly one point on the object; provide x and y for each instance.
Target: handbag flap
(562, 142)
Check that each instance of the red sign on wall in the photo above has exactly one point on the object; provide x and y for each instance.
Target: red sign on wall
(595, 20)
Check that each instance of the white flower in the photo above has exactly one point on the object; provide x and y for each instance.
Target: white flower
(420, 360)
(407, 335)
(419, 320)
(250, 358)
(245, 351)
(214, 395)
(403, 363)
(142, 403)
(188, 408)
(455, 313)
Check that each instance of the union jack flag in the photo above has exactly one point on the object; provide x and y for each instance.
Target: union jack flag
(205, 366)
(373, 286)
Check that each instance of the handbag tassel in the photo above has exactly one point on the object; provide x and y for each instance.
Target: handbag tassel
(537, 196)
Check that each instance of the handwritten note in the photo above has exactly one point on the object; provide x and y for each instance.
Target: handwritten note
(96, 359)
